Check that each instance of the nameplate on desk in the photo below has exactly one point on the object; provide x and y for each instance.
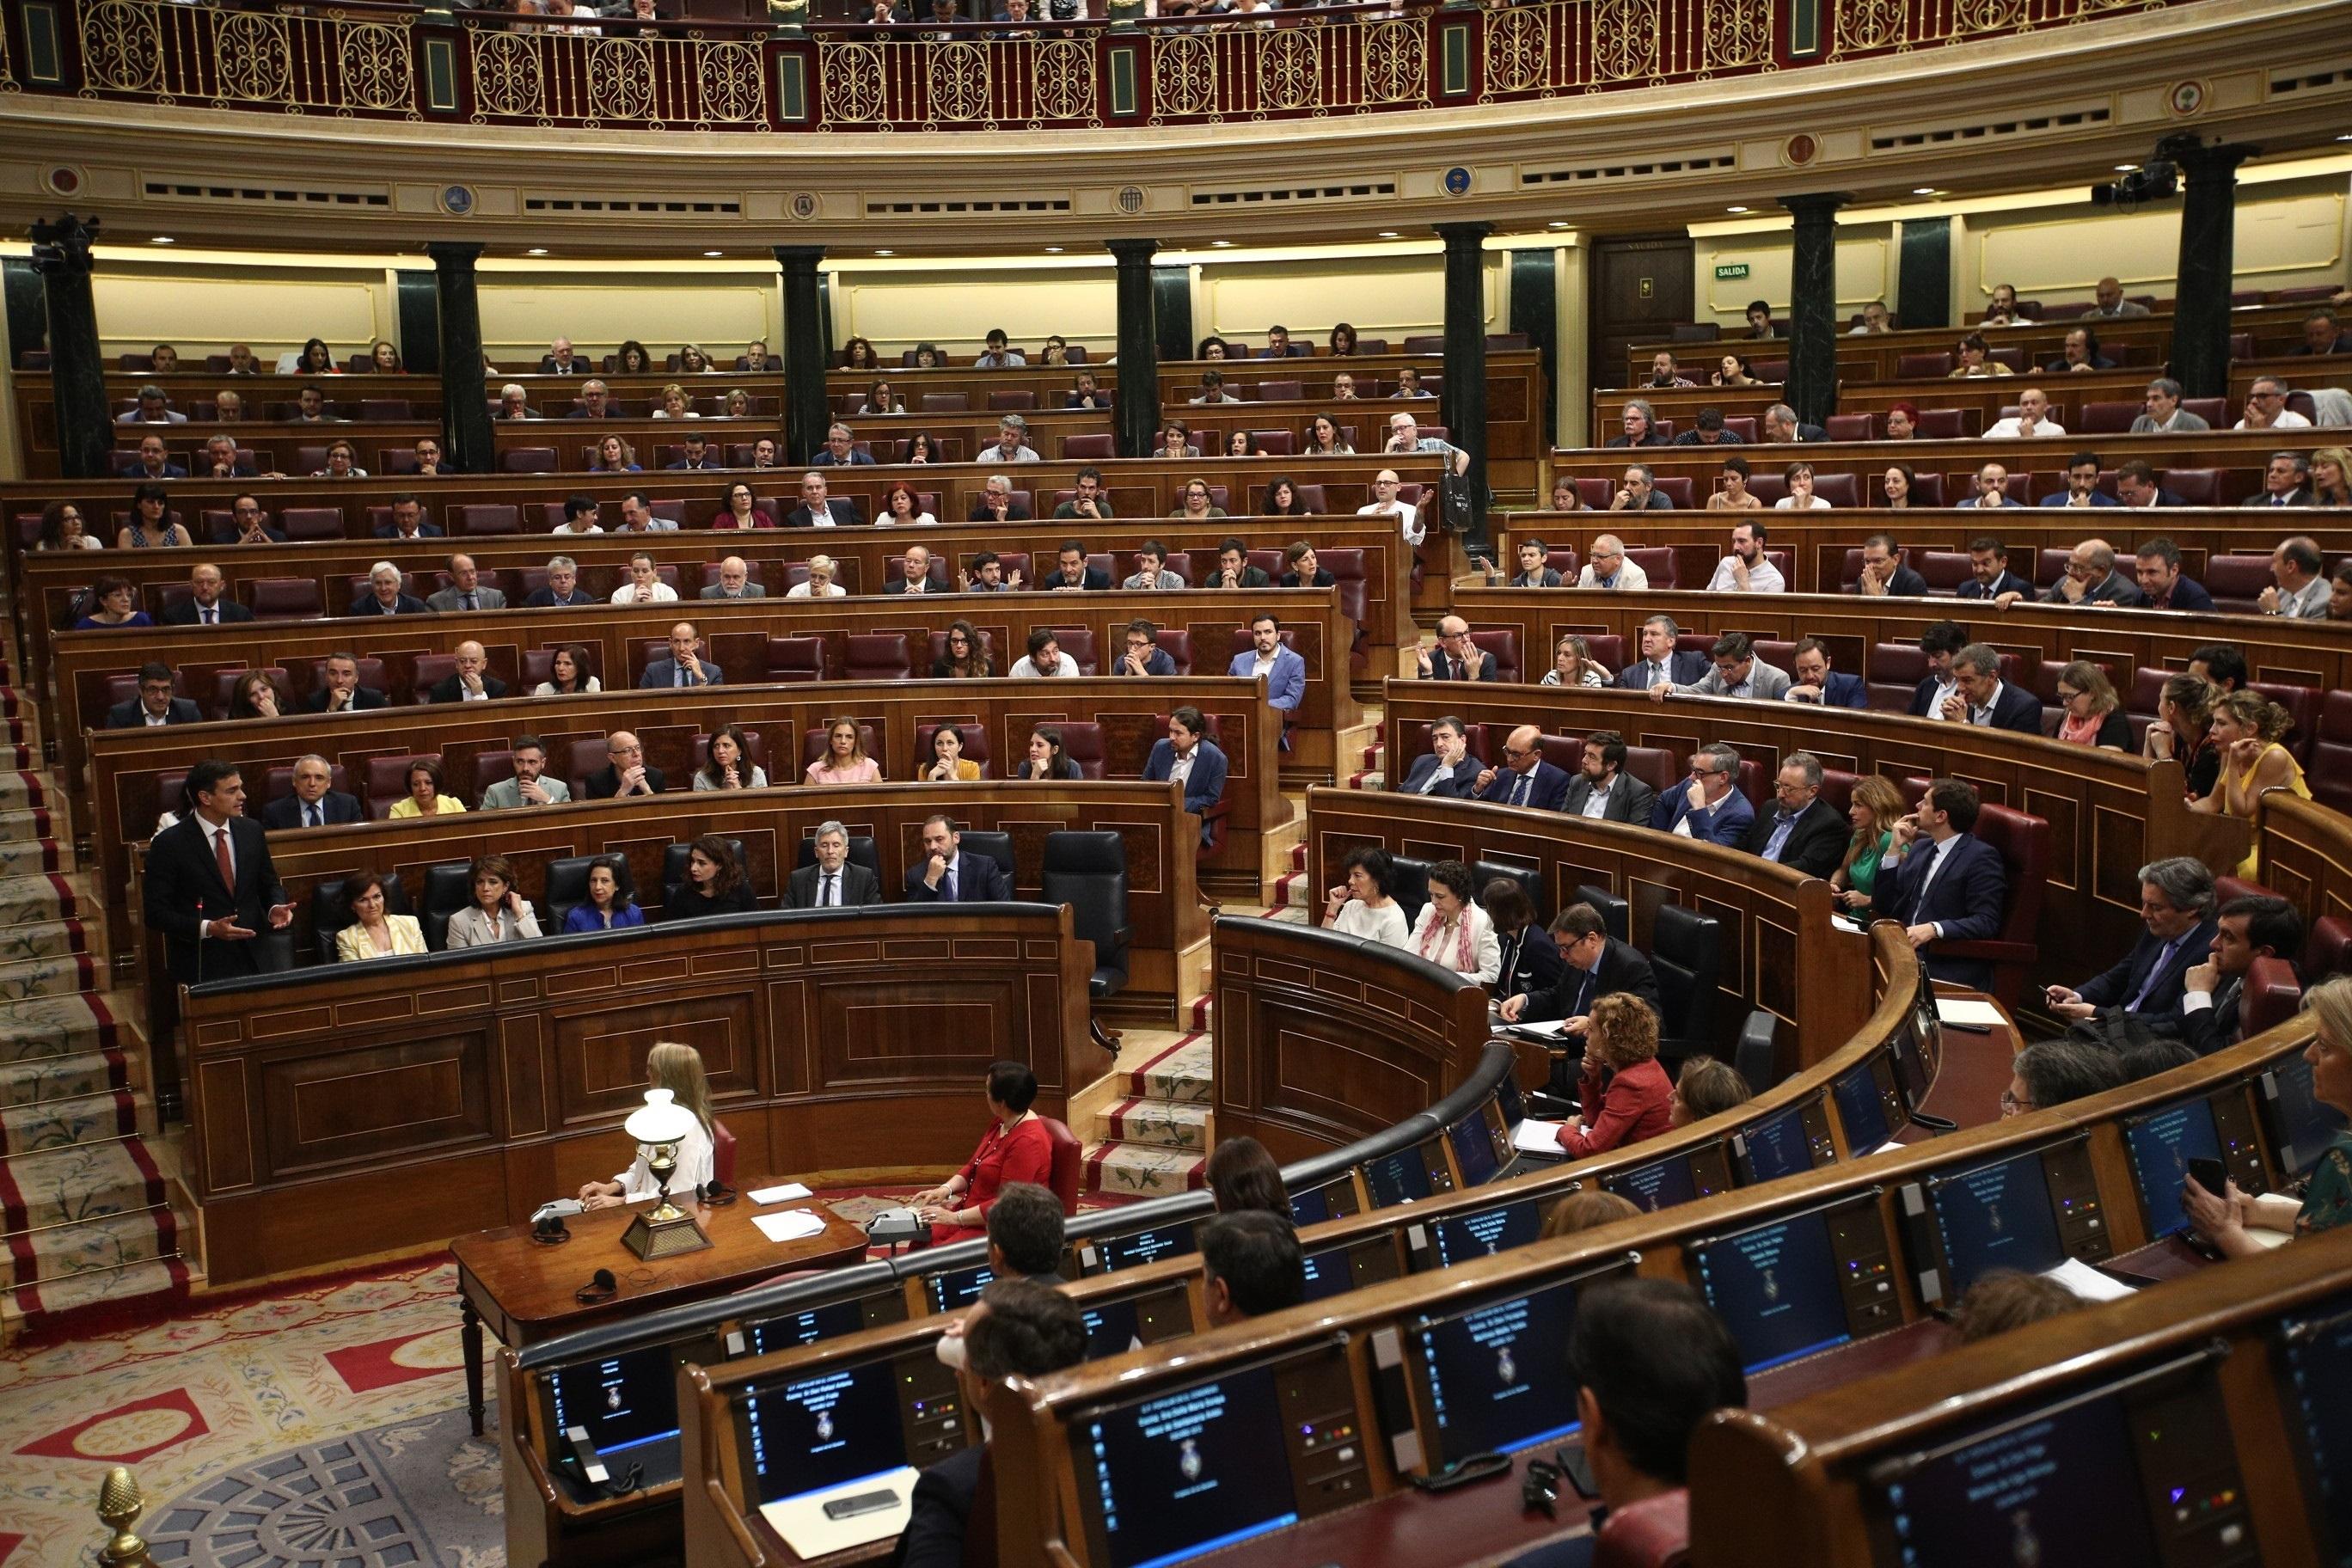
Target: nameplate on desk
(802, 1520)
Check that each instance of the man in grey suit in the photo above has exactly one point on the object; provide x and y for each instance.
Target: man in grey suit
(1602, 791)
(835, 882)
(530, 786)
(684, 666)
(1737, 672)
(734, 581)
(466, 591)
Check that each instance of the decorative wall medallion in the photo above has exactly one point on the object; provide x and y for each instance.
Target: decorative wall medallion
(1130, 199)
(63, 180)
(457, 201)
(2186, 98)
(804, 205)
(1457, 181)
(1800, 148)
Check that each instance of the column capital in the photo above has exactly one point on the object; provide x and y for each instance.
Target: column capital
(1816, 205)
(1132, 252)
(446, 253)
(791, 256)
(2199, 161)
(1469, 231)
(63, 246)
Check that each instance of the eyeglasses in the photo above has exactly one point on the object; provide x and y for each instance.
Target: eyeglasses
(2012, 1106)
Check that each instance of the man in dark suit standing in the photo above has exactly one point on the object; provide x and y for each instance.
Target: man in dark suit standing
(1455, 657)
(154, 706)
(1985, 699)
(2255, 926)
(211, 890)
(1602, 791)
(1949, 885)
(1525, 778)
(1659, 662)
(835, 881)
(1593, 964)
(315, 803)
(207, 603)
(1805, 832)
(2175, 905)
(1817, 683)
(947, 875)
(339, 690)
(1447, 769)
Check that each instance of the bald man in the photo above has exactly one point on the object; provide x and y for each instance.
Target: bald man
(471, 681)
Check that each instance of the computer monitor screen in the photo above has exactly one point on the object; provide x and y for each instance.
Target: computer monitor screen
(2315, 1401)
(2060, 1486)
(1317, 1204)
(825, 1429)
(1919, 1047)
(1508, 1101)
(1776, 1288)
(1110, 1329)
(1115, 1326)
(829, 1321)
(623, 1402)
(1473, 1147)
(1861, 1109)
(954, 1288)
(1778, 1145)
(1179, 1474)
(2162, 1144)
(1658, 1184)
(1496, 1377)
(1482, 1232)
(1367, 1260)
(1399, 1178)
(1996, 1217)
(1114, 1253)
(2301, 1126)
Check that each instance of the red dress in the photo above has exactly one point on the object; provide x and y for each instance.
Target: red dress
(1628, 1106)
(1022, 1154)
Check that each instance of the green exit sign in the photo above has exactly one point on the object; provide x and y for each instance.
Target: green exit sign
(1731, 270)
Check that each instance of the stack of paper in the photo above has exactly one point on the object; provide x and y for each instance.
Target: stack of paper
(779, 1195)
(792, 1225)
(2087, 1282)
(1961, 1014)
(1537, 1137)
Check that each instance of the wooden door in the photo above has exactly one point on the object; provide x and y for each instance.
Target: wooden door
(1640, 290)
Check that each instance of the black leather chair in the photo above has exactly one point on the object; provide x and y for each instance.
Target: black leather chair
(1753, 1055)
(674, 866)
(997, 847)
(1412, 889)
(1616, 914)
(1685, 949)
(1087, 871)
(567, 884)
(449, 888)
(862, 852)
(1529, 878)
(331, 911)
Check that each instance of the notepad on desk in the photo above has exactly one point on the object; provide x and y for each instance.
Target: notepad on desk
(1537, 1137)
(802, 1520)
(1959, 1013)
(2087, 1282)
(784, 1194)
(792, 1225)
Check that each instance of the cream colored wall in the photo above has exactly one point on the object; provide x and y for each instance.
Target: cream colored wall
(202, 304)
(1867, 259)
(955, 305)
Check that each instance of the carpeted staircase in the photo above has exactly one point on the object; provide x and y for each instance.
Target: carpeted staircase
(1153, 1139)
(87, 1230)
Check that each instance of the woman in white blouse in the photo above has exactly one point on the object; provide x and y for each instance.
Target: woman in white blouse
(677, 1068)
(568, 674)
(1361, 905)
(498, 913)
(1452, 931)
(820, 583)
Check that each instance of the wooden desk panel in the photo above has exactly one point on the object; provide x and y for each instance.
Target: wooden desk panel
(1780, 951)
(303, 1088)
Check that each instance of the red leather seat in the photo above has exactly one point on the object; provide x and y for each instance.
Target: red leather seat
(1082, 743)
(2103, 417)
(2214, 411)
(1502, 646)
(1011, 399)
(946, 402)
(1078, 643)
(1275, 443)
(723, 1153)
(528, 460)
(2272, 995)
(1850, 428)
(312, 522)
(1770, 489)
(1837, 788)
(1069, 1161)
(2330, 774)
(2236, 581)
(1838, 489)
(1089, 447)
(1677, 489)
(431, 670)
(1894, 677)
(1945, 570)
(1563, 561)
(1656, 562)
(1945, 423)
(2302, 705)
(1281, 390)
(1411, 744)
(1597, 494)
(481, 517)
(874, 656)
(1918, 367)
(1177, 643)
(286, 599)
(2198, 487)
(2024, 844)
(2328, 952)
(1653, 765)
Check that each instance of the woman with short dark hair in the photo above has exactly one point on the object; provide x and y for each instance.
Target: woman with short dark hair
(498, 913)
(1363, 904)
(1015, 1148)
(1242, 1175)
(1453, 932)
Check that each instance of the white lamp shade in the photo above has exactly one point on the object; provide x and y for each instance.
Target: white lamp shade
(661, 1119)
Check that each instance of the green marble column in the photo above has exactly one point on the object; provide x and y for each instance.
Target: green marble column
(1136, 415)
(1811, 388)
(1462, 406)
(807, 352)
(464, 404)
(2207, 266)
(77, 370)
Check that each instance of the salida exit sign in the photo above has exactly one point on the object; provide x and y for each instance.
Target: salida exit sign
(1731, 270)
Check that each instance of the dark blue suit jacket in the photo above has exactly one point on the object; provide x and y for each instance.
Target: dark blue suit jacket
(1729, 825)
(2118, 985)
(1843, 690)
(1204, 786)
(286, 812)
(1546, 790)
(1442, 668)
(1689, 669)
(2188, 593)
(978, 879)
(1463, 786)
(2016, 708)
(1970, 900)
(2098, 499)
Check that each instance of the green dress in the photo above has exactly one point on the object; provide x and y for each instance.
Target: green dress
(2328, 1201)
(1863, 874)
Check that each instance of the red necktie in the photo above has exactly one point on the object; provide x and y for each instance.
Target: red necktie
(220, 854)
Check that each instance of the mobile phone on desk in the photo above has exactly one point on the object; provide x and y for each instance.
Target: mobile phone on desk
(861, 1502)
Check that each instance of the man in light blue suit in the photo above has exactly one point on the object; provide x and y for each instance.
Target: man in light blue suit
(1711, 806)
(1269, 659)
(1816, 682)
(1190, 758)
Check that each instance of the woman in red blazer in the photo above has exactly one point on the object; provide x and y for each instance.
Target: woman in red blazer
(1626, 1096)
(1015, 1149)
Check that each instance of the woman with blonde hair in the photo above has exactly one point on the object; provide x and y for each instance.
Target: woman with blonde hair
(2225, 1218)
(1572, 664)
(2093, 715)
(2183, 729)
(675, 404)
(678, 1069)
(1624, 1093)
(614, 456)
(844, 761)
(1873, 809)
(2246, 731)
(2331, 477)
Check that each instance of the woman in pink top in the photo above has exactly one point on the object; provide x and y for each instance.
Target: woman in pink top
(844, 761)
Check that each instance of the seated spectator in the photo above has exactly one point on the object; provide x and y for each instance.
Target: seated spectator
(1981, 697)
(1747, 570)
(625, 771)
(1709, 430)
(728, 764)
(342, 463)
(514, 402)
(1623, 1094)
(153, 462)
(644, 585)
(2266, 408)
(1301, 569)
(154, 409)
(2184, 711)
(1189, 758)
(63, 527)
(1602, 791)
(1710, 805)
(2082, 484)
(819, 584)
(2165, 416)
(111, 605)
(219, 460)
(1812, 679)
(2137, 485)
(1234, 568)
(1704, 1088)
(466, 591)
(154, 706)
(1088, 499)
(2053, 1072)
(614, 456)
(1409, 382)
(1455, 657)
(1609, 568)
(1142, 654)
(715, 883)
(1324, 438)
(1638, 492)
(1176, 440)
(999, 354)
(1565, 496)
(1362, 905)
(1212, 389)
(315, 802)
(1735, 369)
(1737, 672)
(424, 796)
(1270, 660)
(948, 874)
(2339, 592)
(2220, 665)
(2094, 714)
(1641, 425)
(1446, 770)
(1087, 394)
(1452, 931)
(1973, 361)
(2092, 578)
(2248, 730)
(408, 521)
(902, 508)
(1938, 694)
(1592, 965)
(568, 671)
(2300, 591)
(1903, 421)
(948, 764)
(2256, 925)
(2331, 477)
(1197, 506)
(207, 603)
(471, 680)
(695, 453)
(1572, 664)
(2080, 352)
(1872, 810)
(1525, 778)
(1759, 320)
(1875, 322)
(1803, 831)
(965, 659)
(1990, 576)
(499, 913)
(1283, 498)
(1012, 443)
(1943, 883)
(1047, 758)
(1530, 958)
(997, 503)
(253, 697)
(608, 908)
(1045, 658)
(2002, 1300)
(562, 589)
(1884, 573)
(1990, 490)
(373, 932)
(692, 361)
(2287, 482)
(1782, 426)
(1250, 1265)
(685, 667)
(2032, 418)
(840, 449)
(1151, 568)
(1387, 502)
(1799, 478)
(149, 526)
(844, 761)
(530, 785)
(1732, 493)
(831, 881)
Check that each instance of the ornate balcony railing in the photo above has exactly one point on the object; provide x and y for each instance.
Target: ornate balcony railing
(363, 61)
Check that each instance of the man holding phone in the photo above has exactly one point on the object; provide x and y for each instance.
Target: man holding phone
(2176, 904)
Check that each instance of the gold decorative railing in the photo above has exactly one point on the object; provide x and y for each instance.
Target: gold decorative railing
(364, 59)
